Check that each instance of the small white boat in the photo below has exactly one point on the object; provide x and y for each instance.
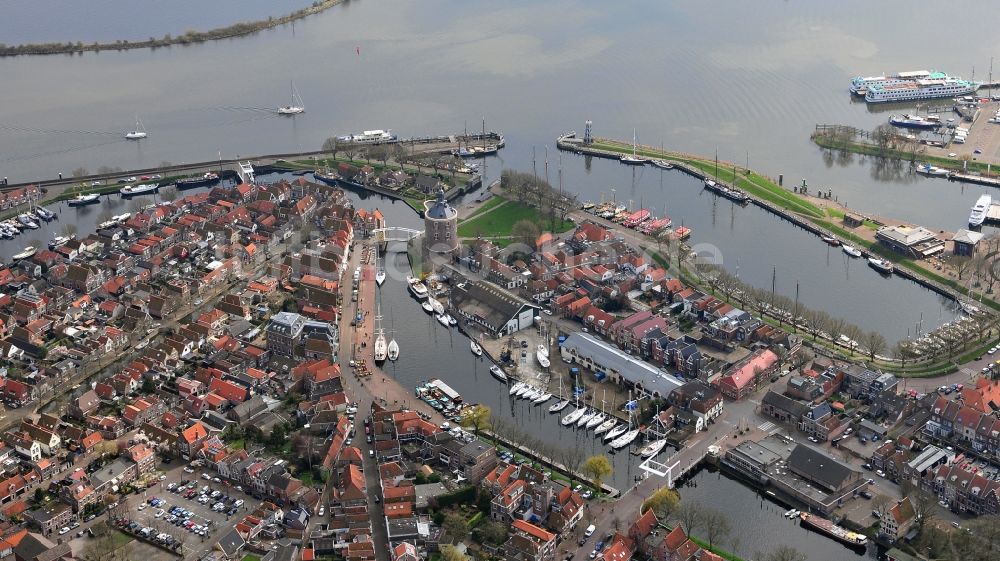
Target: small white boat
(595, 420)
(616, 432)
(437, 306)
(558, 406)
(542, 398)
(393, 350)
(59, 240)
(652, 449)
(451, 320)
(851, 250)
(427, 307)
(138, 133)
(542, 350)
(442, 319)
(662, 164)
(513, 389)
(476, 349)
(606, 426)
(417, 288)
(542, 360)
(498, 373)
(625, 439)
(27, 221)
(585, 418)
(880, 265)
(573, 416)
(525, 388)
(26, 253)
(531, 394)
(380, 277)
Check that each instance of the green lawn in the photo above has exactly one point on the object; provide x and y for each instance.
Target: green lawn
(488, 205)
(497, 223)
(251, 557)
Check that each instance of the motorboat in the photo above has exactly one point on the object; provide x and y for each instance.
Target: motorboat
(476, 349)
(81, 200)
(27, 221)
(418, 289)
(596, 420)
(44, 213)
(380, 275)
(585, 418)
(140, 189)
(616, 432)
(513, 389)
(26, 253)
(653, 448)
(498, 373)
(980, 210)
(427, 307)
(606, 425)
(558, 406)
(573, 416)
(59, 240)
(543, 360)
(451, 320)
(625, 439)
(851, 250)
(442, 319)
(542, 350)
(545, 396)
(662, 164)
(880, 265)
(830, 240)
(392, 351)
(295, 107)
(932, 171)
(138, 133)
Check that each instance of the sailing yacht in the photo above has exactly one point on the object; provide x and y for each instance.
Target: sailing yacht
(498, 373)
(381, 350)
(606, 426)
(586, 417)
(380, 275)
(139, 132)
(295, 107)
(631, 434)
(476, 349)
(651, 449)
(542, 398)
(633, 160)
(615, 432)
(598, 418)
(513, 389)
(574, 416)
(392, 351)
(562, 403)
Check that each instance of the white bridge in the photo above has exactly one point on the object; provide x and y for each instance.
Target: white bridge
(245, 172)
(394, 234)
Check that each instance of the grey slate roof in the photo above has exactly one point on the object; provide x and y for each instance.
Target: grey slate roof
(819, 467)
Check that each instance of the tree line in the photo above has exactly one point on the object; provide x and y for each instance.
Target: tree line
(188, 37)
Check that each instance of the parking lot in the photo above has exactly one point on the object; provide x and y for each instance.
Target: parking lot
(190, 506)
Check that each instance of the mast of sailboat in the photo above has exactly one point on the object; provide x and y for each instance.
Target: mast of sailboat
(633, 143)
(716, 163)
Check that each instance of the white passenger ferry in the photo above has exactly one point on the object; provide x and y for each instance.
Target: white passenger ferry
(860, 84)
(369, 137)
(930, 88)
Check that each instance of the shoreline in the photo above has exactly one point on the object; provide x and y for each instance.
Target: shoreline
(238, 29)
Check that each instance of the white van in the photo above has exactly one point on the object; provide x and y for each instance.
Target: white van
(590, 531)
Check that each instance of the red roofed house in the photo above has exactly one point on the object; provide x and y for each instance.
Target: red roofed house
(743, 380)
(229, 390)
(528, 542)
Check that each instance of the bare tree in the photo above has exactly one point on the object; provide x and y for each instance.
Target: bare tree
(924, 503)
(331, 145)
(783, 553)
(717, 526)
(691, 516)
(962, 264)
(80, 172)
(873, 343)
(854, 333)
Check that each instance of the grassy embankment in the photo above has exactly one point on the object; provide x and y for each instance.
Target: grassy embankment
(187, 38)
(496, 221)
(868, 149)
